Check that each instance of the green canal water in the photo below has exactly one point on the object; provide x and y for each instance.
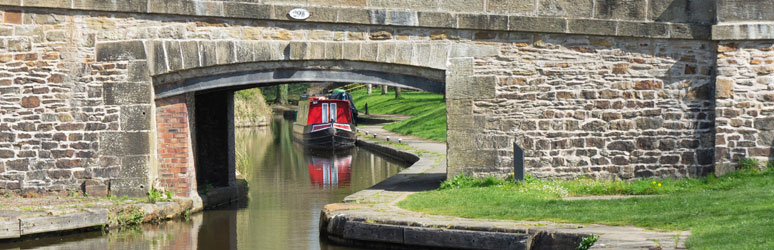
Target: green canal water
(288, 187)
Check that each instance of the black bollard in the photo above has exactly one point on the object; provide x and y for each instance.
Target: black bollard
(366, 108)
(518, 163)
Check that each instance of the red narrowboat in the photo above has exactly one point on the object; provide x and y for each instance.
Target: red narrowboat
(325, 124)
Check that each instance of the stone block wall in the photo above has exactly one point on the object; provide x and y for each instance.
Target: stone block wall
(64, 116)
(745, 101)
(46, 141)
(585, 105)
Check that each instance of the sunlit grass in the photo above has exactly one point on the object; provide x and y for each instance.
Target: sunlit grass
(249, 104)
(428, 111)
(732, 212)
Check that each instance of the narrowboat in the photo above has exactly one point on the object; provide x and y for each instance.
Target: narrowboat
(324, 123)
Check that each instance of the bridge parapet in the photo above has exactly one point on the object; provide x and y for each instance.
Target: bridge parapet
(679, 19)
(681, 11)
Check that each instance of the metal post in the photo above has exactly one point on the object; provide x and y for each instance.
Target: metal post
(518, 163)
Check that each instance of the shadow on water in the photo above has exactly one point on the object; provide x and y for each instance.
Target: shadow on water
(288, 187)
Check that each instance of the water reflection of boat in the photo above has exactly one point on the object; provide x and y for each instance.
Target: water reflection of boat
(329, 169)
(325, 123)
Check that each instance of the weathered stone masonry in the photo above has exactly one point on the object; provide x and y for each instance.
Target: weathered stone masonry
(610, 89)
(604, 107)
(745, 101)
(745, 82)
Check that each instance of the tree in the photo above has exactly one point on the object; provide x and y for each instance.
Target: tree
(282, 94)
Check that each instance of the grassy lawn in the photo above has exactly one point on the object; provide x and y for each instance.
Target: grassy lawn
(428, 109)
(735, 211)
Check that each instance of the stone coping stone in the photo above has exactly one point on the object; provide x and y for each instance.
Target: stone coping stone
(389, 151)
(743, 31)
(9, 229)
(392, 225)
(16, 224)
(64, 222)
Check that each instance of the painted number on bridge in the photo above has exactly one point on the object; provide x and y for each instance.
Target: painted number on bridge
(299, 14)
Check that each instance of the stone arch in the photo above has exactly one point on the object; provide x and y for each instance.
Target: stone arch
(249, 75)
(170, 61)
(211, 71)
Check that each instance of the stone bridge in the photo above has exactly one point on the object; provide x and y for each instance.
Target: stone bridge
(132, 94)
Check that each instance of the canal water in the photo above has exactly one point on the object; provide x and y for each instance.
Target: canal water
(288, 187)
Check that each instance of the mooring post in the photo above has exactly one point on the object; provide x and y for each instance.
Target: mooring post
(518, 163)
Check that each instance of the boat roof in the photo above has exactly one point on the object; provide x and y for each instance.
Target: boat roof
(325, 101)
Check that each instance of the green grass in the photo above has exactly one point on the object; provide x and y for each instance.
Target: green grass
(732, 212)
(428, 111)
(249, 104)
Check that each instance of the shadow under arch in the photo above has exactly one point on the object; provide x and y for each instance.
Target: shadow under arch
(256, 74)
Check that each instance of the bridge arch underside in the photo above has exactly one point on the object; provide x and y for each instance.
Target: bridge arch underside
(195, 116)
(250, 75)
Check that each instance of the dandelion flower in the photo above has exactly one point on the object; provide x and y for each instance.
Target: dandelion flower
(654, 183)
(659, 184)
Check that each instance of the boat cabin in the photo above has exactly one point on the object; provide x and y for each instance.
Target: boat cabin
(315, 111)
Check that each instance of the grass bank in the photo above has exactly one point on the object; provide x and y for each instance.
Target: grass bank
(735, 211)
(250, 108)
(428, 111)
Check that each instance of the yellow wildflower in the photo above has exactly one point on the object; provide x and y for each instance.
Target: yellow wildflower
(654, 182)
(659, 184)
